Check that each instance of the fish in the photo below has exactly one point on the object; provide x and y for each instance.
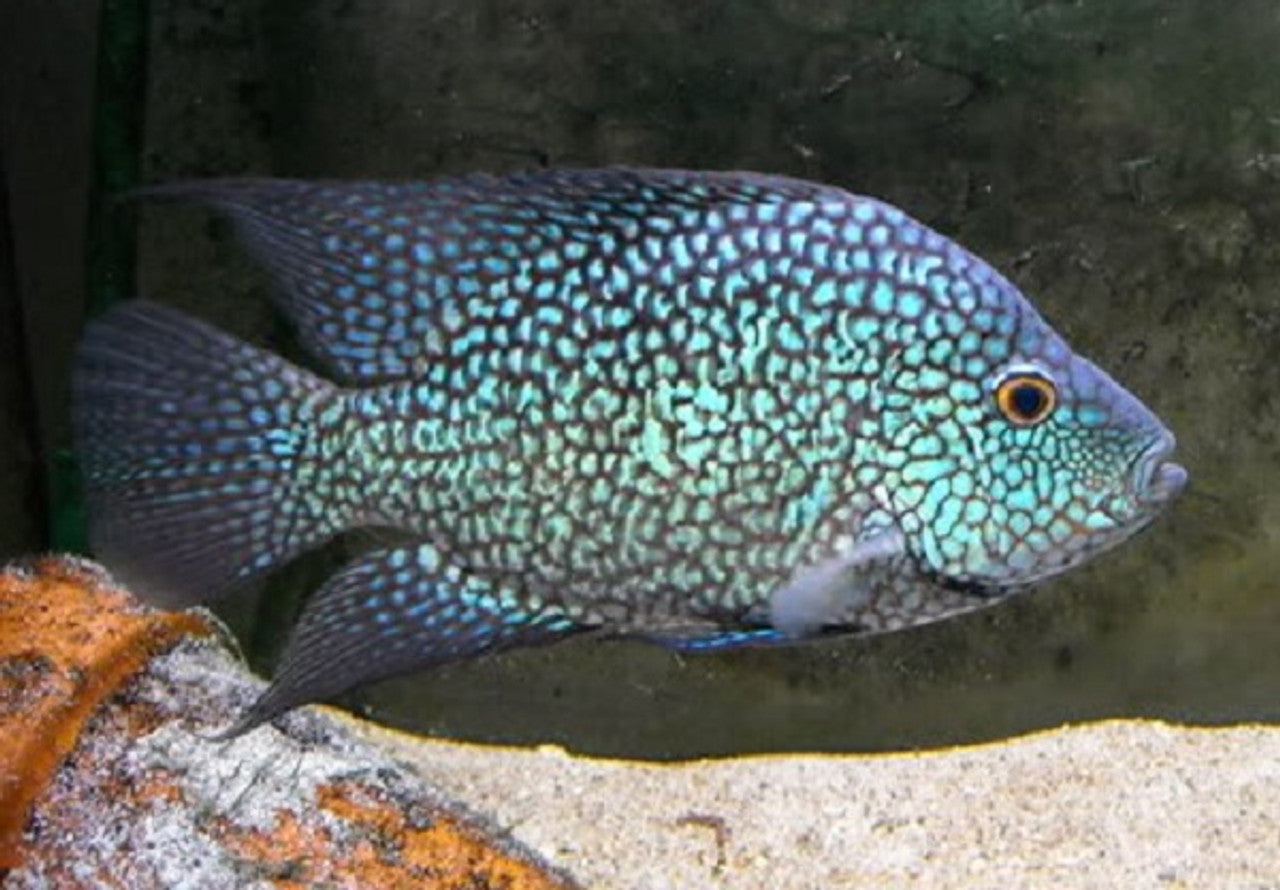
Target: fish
(704, 409)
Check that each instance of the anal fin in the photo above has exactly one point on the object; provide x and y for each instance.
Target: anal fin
(700, 639)
(393, 612)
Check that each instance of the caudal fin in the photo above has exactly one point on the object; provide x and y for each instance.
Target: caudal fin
(194, 447)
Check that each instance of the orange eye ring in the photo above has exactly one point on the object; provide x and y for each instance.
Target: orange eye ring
(1026, 399)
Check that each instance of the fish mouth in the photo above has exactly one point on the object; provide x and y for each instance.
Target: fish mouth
(1157, 479)
(1129, 505)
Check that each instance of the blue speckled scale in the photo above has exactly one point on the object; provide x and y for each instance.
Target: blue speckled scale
(710, 409)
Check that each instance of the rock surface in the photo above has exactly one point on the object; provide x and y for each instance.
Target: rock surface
(109, 777)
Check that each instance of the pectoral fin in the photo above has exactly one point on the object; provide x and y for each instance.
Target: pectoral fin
(827, 594)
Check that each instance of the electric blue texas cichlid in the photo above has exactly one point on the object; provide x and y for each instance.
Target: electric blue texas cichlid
(708, 409)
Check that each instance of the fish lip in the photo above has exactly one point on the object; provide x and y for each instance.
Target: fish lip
(1157, 479)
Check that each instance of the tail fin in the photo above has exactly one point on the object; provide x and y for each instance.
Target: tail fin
(194, 447)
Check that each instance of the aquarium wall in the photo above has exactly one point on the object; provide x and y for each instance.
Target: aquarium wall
(1120, 162)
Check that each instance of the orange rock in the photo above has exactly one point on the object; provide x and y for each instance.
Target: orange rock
(68, 640)
(143, 798)
(440, 854)
(454, 853)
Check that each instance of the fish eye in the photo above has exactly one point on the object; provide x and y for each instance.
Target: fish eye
(1026, 399)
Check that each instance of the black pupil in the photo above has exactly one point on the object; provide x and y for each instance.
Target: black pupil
(1028, 400)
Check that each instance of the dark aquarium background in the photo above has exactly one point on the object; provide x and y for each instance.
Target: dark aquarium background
(1118, 159)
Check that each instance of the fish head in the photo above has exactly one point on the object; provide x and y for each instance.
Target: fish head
(1032, 461)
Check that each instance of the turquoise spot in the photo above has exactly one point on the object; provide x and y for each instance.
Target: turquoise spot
(964, 391)
(883, 298)
(961, 292)
(995, 350)
(974, 511)
(1022, 499)
(864, 330)
(680, 253)
(887, 261)
(1091, 415)
(947, 508)
(927, 470)
(926, 446)
(911, 304)
(728, 250)
(1020, 524)
(933, 379)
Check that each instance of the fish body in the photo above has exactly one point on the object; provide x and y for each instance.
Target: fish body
(708, 409)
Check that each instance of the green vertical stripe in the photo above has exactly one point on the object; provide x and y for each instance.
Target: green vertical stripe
(119, 102)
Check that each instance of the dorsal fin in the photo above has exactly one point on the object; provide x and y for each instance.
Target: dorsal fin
(372, 272)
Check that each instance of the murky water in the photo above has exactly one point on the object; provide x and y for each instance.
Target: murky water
(1121, 162)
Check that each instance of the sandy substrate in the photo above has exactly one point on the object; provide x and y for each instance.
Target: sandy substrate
(1123, 804)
